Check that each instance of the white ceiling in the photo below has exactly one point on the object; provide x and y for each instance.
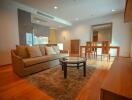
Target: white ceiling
(72, 9)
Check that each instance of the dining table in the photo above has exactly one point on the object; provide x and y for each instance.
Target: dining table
(110, 47)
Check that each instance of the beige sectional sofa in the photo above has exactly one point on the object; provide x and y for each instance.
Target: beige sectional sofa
(24, 63)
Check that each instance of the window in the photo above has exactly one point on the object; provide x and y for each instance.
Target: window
(29, 39)
(40, 40)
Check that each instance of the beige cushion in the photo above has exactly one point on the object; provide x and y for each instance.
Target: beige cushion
(32, 61)
(36, 60)
(42, 49)
(50, 50)
(22, 51)
(57, 56)
(56, 49)
(34, 51)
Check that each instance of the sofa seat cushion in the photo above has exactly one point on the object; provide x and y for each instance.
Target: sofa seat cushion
(61, 55)
(36, 60)
(33, 61)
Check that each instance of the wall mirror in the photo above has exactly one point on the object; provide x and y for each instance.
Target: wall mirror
(102, 32)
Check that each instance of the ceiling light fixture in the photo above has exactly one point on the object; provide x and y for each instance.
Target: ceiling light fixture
(37, 21)
(55, 7)
(113, 10)
(76, 19)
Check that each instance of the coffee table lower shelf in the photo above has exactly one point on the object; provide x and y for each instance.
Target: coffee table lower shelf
(65, 64)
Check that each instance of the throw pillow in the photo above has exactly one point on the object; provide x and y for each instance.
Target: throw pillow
(42, 49)
(56, 48)
(22, 51)
(49, 50)
(34, 51)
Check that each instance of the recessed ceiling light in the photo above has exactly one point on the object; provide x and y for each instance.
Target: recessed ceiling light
(55, 7)
(76, 19)
(37, 21)
(113, 10)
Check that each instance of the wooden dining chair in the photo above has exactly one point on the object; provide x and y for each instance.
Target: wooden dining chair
(94, 49)
(90, 51)
(105, 50)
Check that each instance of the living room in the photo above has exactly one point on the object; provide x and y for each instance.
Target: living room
(58, 36)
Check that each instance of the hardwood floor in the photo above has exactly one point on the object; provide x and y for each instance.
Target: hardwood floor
(13, 87)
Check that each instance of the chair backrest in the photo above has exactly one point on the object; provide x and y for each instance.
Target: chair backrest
(105, 49)
(89, 44)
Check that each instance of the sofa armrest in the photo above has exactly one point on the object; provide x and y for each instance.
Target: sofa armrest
(17, 63)
(64, 51)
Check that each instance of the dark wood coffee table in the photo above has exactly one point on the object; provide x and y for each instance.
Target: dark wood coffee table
(73, 62)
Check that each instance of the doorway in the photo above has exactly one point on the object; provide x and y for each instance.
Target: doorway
(75, 46)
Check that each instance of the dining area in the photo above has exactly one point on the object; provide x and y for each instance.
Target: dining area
(90, 50)
(100, 44)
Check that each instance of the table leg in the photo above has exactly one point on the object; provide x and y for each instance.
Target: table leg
(77, 65)
(86, 52)
(65, 70)
(80, 51)
(84, 69)
(118, 50)
(62, 66)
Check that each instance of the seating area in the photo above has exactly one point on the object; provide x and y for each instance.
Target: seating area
(30, 59)
(66, 50)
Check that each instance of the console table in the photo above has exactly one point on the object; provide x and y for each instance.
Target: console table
(118, 82)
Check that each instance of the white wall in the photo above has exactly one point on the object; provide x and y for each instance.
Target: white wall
(121, 32)
(8, 31)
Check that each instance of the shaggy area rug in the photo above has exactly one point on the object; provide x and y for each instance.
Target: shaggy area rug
(52, 81)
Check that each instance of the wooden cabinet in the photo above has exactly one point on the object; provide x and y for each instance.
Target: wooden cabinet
(118, 83)
(128, 11)
(75, 45)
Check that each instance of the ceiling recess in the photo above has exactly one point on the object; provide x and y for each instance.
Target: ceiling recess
(45, 15)
(35, 18)
(56, 19)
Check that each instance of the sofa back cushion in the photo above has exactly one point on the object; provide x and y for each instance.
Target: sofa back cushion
(22, 51)
(50, 50)
(42, 49)
(56, 49)
(34, 51)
